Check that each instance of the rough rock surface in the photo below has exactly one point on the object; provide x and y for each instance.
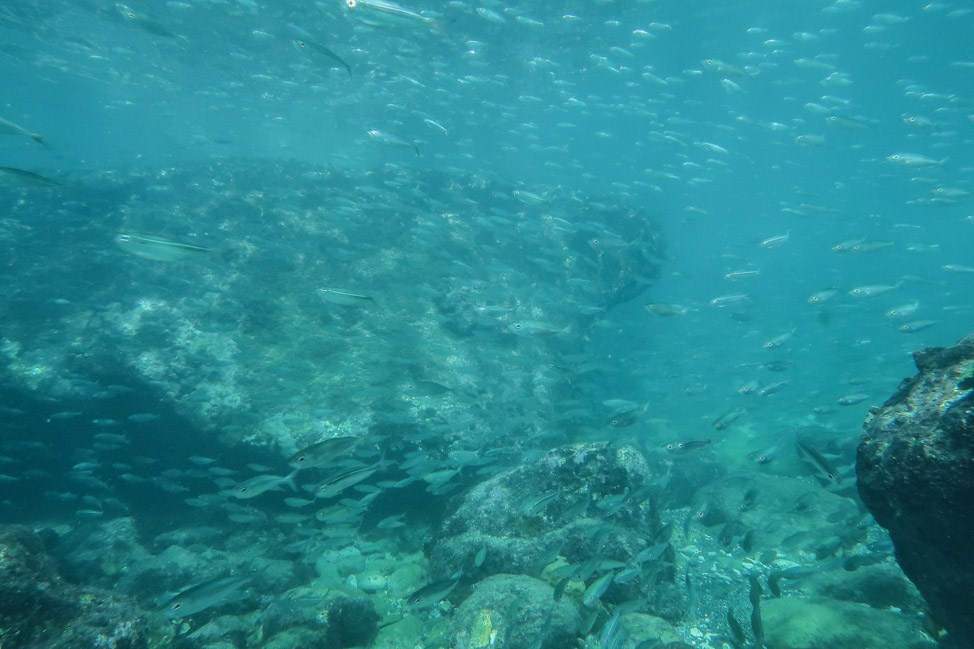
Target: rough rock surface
(39, 609)
(916, 475)
(241, 342)
(578, 501)
(514, 611)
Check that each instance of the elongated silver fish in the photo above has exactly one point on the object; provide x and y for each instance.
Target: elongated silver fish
(144, 23)
(304, 45)
(321, 454)
(207, 594)
(388, 139)
(336, 485)
(381, 13)
(596, 589)
(818, 462)
(25, 178)
(260, 484)
(158, 248)
(344, 298)
(9, 128)
(432, 593)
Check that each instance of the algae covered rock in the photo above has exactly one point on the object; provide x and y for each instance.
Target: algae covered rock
(39, 609)
(815, 623)
(516, 612)
(915, 472)
(523, 515)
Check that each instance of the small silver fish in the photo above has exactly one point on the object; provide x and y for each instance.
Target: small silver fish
(872, 290)
(344, 298)
(594, 592)
(432, 593)
(666, 310)
(321, 454)
(914, 160)
(208, 594)
(915, 325)
(381, 13)
(388, 139)
(157, 248)
(260, 484)
(25, 178)
(536, 328)
(304, 45)
(9, 128)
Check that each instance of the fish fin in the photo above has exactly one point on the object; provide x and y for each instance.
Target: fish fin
(416, 148)
(289, 480)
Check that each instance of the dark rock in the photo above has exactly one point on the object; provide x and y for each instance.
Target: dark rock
(349, 622)
(916, 475)
(39, 609)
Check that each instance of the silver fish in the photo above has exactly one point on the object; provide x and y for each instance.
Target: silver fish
(321, 454)
(432, 593)
(914, 160)
(25, 178)
(336, 485)
(380, 13)
(159, 249)
(818, 462)
(9, 128)
(260, 484)
(144, 23)
(536, 328)
(388, 139)
(344, 298)
(915, 325)
(210, 593)
(304, 45)
(872, 290)
(597, 588)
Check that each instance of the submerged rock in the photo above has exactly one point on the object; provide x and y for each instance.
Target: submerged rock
(916, 474)
(514, 611)
(581, 502)
(815, 623)
(39, 609)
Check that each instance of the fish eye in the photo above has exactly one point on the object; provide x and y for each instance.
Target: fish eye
(177, 606)
(130, 15)
(351, 4)
(670, 447)
(517, 325)
(301, 44)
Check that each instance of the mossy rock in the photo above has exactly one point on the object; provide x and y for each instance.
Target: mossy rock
(820, 623)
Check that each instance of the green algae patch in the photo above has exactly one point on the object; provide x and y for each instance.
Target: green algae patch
(820, 623)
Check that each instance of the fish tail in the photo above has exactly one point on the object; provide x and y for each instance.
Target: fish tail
(289, 480)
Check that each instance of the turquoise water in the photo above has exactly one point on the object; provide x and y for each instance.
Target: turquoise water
(603, 223)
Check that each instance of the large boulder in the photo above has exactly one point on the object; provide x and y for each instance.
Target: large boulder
(916, 474)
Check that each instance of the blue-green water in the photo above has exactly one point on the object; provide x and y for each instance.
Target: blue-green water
(787, 186)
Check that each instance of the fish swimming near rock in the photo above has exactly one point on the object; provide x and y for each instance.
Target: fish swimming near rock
(433, 593)
(207, 594)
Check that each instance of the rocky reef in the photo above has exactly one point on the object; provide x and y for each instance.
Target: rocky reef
(38, 608)
(916, 474)
(277, 304)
